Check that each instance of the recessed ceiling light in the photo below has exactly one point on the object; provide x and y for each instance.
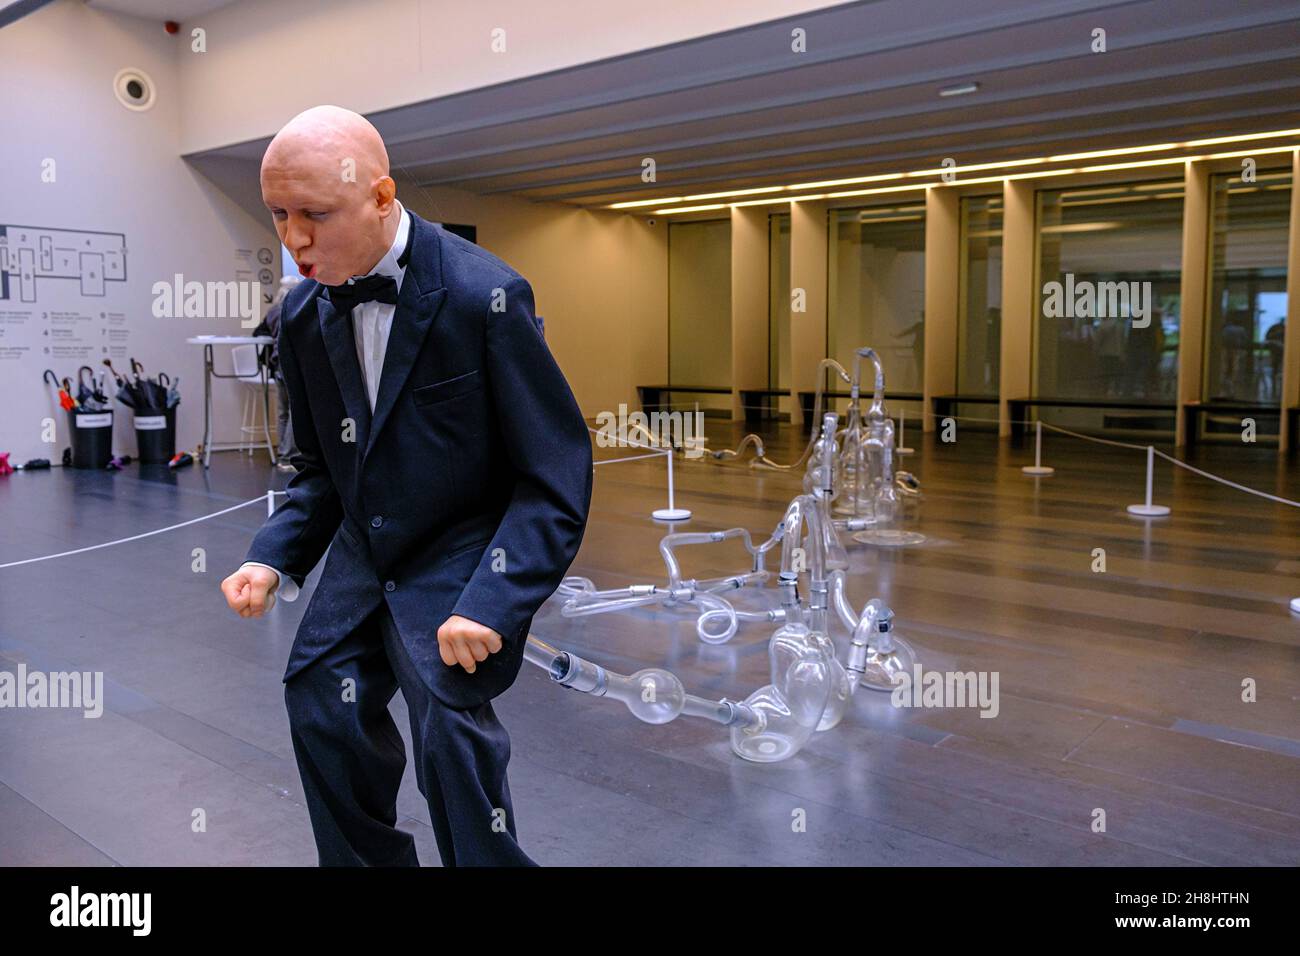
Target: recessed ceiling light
(959, 90)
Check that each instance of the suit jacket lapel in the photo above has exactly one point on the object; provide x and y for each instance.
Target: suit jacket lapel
(341, 344)
(418, 303)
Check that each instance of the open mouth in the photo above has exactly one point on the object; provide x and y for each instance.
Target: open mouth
(307, 271)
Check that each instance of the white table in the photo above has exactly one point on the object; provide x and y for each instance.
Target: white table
(209, 373)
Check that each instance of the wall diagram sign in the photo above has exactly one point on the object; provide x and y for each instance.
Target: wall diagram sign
(62, 295)
(31, 254)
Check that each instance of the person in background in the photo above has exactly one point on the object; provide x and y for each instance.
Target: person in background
(271, 326)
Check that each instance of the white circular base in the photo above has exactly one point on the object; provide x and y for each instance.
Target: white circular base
(670, 514)
(1038, 470)
(889, 538)
(1148, 511)
(1295, 605)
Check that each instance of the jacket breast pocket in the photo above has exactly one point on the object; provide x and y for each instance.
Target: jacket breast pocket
(448, 388)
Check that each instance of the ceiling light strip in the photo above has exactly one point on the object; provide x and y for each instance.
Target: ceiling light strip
(974, 167)
(1039, 174)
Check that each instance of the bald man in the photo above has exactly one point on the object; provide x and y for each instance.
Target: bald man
(444, 463)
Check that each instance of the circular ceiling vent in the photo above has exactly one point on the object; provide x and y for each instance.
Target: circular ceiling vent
(134, 89)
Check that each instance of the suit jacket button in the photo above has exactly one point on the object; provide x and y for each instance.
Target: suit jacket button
(376, 521)
(390, 585)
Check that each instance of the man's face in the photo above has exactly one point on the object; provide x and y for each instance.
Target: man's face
(333, 226)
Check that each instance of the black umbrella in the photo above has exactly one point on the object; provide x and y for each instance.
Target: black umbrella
(154, 394)
(171, 395)
(125, 393)
(158, 390)
(89, 395)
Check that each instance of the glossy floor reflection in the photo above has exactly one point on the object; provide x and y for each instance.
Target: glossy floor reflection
(1119, 691)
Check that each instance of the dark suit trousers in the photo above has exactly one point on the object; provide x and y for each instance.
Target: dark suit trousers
(351, 759)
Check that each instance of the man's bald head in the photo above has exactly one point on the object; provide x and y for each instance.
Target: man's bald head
(329, 135)
(325, 180)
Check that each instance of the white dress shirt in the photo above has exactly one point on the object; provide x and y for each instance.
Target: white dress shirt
(371, 323)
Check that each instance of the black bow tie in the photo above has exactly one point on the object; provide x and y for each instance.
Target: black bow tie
(372, 288)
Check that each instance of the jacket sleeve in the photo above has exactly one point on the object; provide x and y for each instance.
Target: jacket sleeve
(546, 439)
(297, 533)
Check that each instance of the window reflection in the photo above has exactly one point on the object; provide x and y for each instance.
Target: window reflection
(1246, 310)
(877, 289)
(1127, 233)
(778, 311)
(979, 317)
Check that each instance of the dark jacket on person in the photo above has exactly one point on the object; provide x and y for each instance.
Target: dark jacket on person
(270, 325)
(467, 492)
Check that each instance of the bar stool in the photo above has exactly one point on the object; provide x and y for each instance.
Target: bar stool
(248, 372)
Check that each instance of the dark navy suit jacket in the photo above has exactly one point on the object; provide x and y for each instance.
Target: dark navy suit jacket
(466, 494)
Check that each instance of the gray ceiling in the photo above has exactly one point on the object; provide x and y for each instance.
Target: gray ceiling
(738, 109)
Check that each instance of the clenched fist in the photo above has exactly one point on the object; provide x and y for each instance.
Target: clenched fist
(465, 642)
(250, 591)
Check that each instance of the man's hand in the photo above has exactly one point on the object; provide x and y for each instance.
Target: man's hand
(250, 591)
(465, 642)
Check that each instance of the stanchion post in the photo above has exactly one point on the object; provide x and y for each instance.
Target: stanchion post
(901, 446)
(1149, 510)
(672, 512)
(1038, 468)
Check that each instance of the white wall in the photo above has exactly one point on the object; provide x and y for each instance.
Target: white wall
(269, 59)
(115, 171)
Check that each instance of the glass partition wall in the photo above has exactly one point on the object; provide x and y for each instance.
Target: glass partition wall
(699, 311)
(778, 308)
(1245, 312)
(979, 301)
(1105, 333)
(876, 294)
(1108, 273)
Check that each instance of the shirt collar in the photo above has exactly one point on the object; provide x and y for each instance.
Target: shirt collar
(390, 265)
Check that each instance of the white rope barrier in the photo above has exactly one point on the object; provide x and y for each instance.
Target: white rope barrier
(137, 537)
(614, 461)
(672, 512)
(1225, 481)
(1149, 449)
(1092, 438)
(971, 418)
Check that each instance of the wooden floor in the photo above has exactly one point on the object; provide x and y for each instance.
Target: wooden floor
(1119, 691)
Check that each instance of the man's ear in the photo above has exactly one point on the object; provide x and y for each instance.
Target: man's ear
(385, 193)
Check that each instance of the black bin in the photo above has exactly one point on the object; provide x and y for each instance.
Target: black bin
(92, 437)
(155, 435)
